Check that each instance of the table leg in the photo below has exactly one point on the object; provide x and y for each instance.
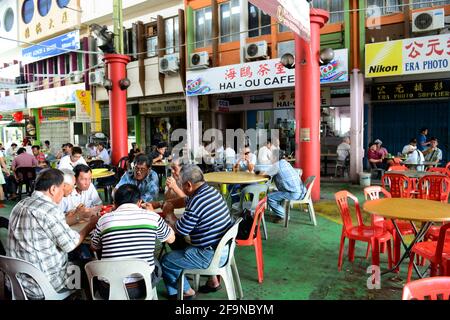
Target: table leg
(419, 236)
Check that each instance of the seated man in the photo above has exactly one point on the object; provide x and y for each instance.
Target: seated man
(143, 177)
(39, 234)
(103, 154)
(414, 155)
(206, 219)
(40, 157)
(265, 153)
(288, 183)
(23, 159)
(84, 199)
(71, 161)
(131, 233)
(433, 153)
(375, 158)
(246, 162)
(343, 151)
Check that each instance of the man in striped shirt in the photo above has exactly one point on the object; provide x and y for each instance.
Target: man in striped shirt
(206, 219)
(130, 232)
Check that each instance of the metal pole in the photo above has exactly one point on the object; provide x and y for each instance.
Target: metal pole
(118, 26)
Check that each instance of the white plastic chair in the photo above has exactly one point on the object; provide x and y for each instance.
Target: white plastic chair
(115, 271)
(306, 200)
(255, 190)
(228, 271)
(13, 267)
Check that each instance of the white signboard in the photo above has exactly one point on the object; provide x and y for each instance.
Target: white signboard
(264, 74)
(54, 96)
(294, 14)
(13, 102)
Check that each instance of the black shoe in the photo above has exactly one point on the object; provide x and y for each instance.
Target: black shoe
(208, 289)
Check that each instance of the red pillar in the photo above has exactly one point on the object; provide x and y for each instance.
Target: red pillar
(117, 71)
(307, 101)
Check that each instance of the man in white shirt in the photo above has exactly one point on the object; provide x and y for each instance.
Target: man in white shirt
(103, 154)
(71, 161)
(246, 161)
(12, 151)
(265, 153)
(230, 157)
(415, 156)
(84, 196)
(343, 150)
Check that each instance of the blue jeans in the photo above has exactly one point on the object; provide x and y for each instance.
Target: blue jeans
(192, 257)
(275, 201)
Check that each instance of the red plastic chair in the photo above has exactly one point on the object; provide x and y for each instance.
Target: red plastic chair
(434, 251)
(437, 169)
(435, 188)
(398, 185)
(398, 168)
(437, 288)
(255, 238)
(371, 234)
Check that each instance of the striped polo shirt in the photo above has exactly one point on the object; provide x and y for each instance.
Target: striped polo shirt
(206, 217)
(129, 232)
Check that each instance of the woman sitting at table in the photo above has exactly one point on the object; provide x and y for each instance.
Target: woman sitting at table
(384, 153)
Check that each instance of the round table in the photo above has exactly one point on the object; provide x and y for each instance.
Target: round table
(416, 174)
(409, 209)
(105, 174)
(425, 211)
(239, 177)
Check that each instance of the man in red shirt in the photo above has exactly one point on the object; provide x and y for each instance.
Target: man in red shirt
(40, 157)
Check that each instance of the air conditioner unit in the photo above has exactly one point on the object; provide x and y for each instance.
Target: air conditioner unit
(199, 60)
(256, 50)
(169, 64)
(428, 20)
(97, 77)
(76, 76)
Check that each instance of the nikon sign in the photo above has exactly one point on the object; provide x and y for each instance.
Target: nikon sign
(409, 56)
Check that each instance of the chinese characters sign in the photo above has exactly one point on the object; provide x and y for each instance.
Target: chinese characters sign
(52, 47)
(411, 90)
(56, 21)
(408, 56)
(294, 14)
(264, 74)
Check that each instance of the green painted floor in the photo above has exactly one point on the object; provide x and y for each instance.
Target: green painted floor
(301, 261)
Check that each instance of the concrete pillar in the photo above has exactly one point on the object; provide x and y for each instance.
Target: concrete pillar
(243, 25)
(357, 123)
(307, 100)
(193, 124)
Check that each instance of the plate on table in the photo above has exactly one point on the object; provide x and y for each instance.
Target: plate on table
(99, 170)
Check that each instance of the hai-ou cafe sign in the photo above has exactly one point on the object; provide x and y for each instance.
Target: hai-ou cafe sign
(263, 74)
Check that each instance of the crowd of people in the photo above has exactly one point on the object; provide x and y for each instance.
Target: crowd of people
(418, 151)
(66, 196)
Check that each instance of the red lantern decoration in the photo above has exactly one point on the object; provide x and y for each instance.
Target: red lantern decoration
(18, 116)
(1, 117)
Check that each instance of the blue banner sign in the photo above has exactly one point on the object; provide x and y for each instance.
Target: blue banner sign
(52, 47)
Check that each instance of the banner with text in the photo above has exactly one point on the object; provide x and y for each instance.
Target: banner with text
(408, 56)
(294, 14)
(264, 74)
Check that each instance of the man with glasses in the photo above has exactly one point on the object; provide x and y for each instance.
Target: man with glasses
(143, 177)
(71, 161)
(247, 161)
